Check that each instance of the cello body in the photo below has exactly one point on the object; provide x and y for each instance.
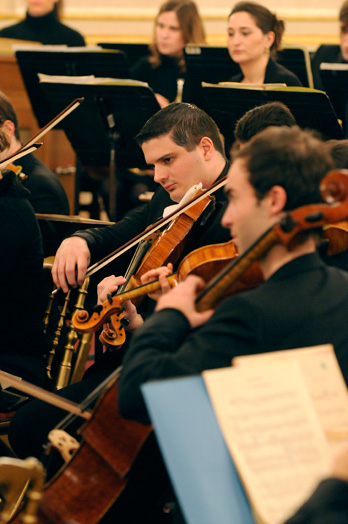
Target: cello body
(88, 485)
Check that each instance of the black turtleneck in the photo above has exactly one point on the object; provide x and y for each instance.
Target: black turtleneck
(45, 29)
(162, 79)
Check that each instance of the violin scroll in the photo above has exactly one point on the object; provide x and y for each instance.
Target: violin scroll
(334, 187)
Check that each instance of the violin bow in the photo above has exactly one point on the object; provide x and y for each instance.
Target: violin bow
(32, 141)
(152, 229)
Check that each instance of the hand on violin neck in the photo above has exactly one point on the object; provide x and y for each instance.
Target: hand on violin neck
(160, 274)
(70, 263)
(183, 297)
(109, 286)
(131, 314)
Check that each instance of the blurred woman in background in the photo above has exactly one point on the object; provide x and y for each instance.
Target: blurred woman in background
(178, 23)
(42, 24)
(254, 36)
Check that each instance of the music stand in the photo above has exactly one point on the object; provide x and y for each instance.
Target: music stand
(206, 64)
(226, 105)
(133, 52)
(68, 62)
(334, 78)
(297, 60)
(102, 131)
(213, 65)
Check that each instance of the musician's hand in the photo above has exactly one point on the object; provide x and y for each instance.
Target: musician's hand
(159, 274)
(130, 313)
(182, 297)
(162, 101)
(340, 464)
(70, 263)
(108, 286)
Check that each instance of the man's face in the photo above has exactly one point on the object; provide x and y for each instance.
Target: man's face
(174, 168)
(246, 217)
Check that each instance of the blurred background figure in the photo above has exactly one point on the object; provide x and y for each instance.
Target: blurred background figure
(42, 24)
(254, 36)
(260, 117)
(178, 23)
(332, 53)
(22, 290)
(47, 194)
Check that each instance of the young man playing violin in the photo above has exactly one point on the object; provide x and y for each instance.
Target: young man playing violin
(302, 302)
(184, 147)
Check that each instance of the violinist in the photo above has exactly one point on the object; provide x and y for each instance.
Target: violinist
(23, 301)
(46, 193)
(185, 147)
(302, 302)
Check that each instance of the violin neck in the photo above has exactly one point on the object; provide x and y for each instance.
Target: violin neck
(146, 289)
(220, 284)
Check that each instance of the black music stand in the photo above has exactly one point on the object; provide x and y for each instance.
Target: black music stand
(102, 130)
(206, 64)
(65, 62)
(213, 65)
(133, 52)
(334, 78)
(312, 109)
(297, 60)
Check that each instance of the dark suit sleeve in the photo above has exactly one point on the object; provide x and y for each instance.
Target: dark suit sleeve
(165, 347)
(327, 505)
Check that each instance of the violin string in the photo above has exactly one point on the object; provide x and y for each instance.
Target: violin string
(160, 223)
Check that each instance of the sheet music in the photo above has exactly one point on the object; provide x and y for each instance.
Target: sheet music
(325, 383)
(273, 432)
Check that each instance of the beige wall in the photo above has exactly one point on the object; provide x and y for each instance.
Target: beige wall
(308, 22)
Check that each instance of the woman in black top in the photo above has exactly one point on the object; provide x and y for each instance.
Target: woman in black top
(42, 24)
(254, 35)
(177, 24)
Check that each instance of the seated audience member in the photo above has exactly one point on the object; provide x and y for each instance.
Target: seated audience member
(178, 23)
(261, 117)
(331, 53)
(42, 24)
(22, 343)
(253, 38)
(46, 192)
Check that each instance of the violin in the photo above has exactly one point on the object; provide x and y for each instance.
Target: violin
(166, 247)
(334, 189)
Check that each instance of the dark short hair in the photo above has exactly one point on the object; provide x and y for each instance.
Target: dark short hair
(288, 157)
(339, 152)
(187, 125)
(260, 117)
(264, 19)
(7, 112)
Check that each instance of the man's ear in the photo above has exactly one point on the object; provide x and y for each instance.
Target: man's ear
(207, 146)
(276, 199)
(9, 126)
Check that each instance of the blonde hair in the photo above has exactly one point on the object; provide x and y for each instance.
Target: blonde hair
(190, 24)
